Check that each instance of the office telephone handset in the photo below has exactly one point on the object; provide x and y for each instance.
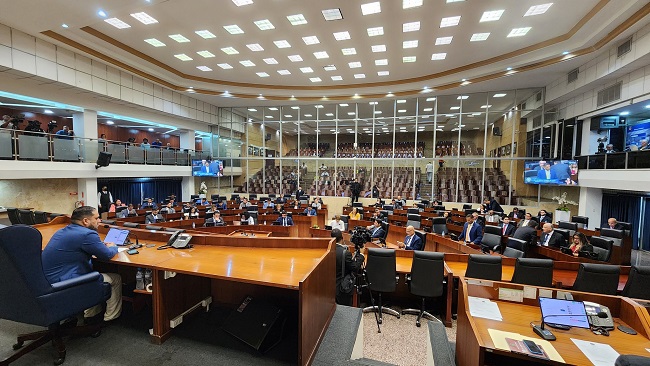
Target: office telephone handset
(178, 240)
(595, 316)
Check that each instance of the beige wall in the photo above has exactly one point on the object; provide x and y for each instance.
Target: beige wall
(49, 195)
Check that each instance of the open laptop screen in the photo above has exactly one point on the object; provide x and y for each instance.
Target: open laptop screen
(564, 312)
(116, 236)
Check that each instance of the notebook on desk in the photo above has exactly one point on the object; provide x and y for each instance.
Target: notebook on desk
(117, 236)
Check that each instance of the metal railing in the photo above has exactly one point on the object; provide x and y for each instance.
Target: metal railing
(622, 160)
(38, 146)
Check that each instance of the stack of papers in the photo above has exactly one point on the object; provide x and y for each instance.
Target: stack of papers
(484, 308)
(599, 354)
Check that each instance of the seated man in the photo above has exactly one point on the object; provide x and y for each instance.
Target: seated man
(204, 202)
(376, 231)
(551, 238)
(244, 203)
(284, 219)
(400, 203)
(150, 204)
(492, 217)
(69, 252)
(515, 213)
(507, 228)
(222, 205)
(613, 224)
(169, 209)
(268, 204)
(526, 221)
(472, 231)
(543, 218)
(153, 217)
(412, 241)
(130, 210)
(337, 223)
(310, 211)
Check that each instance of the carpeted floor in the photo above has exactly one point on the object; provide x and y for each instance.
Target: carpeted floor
(399, 343)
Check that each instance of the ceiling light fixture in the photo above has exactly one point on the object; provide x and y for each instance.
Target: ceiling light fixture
(206, 54)
(247, 63)
(537, 9)
(371, 8)
(354, 65)
(376, 31)
(449, 21)
(117, 23)
(144, 18)
(230, 51)
(359, 76)
(625, 113)
(329, 68)
(64, 25)
(262, 74)
(255, 47)
(519, 32)
(337, 78)
(282, 44)
(233, 29)
(382, 62)
(410, 27)
(438, 56)
(342, 36)
(179, 38)
(406, 59)
(379, 48)
(183, 57)
(332, 14)
(296, 19)
(499, 95)
(264, 24)
(242, 2)
(462, 97)
(383, 73)
(407, 4)
(284, 72)
(321, 54)
(205, 34)
(204, 68)
(101, 13)
(306, 70)
(443, 40)
(410, 44)
(349, 51)
(491, 16)
(310, 40)
(295, 58)
(225, 66)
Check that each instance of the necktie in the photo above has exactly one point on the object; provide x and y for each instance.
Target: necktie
(548, 237)
(408, 241)
(469, 228)
(285, 222)
(504, 229)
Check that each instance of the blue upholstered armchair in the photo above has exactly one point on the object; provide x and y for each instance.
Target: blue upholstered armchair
(27, 297)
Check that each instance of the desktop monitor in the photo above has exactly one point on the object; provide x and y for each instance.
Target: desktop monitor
(234, 197)
(116, 236)
(564, 312)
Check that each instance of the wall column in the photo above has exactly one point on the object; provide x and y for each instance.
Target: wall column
(84, 124)
(87, 191)
(591, 204)
(187, 187)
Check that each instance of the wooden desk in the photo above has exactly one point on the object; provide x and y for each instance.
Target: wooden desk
(229, 268)
(474, 345)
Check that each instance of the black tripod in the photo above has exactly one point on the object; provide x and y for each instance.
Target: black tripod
(364, 275)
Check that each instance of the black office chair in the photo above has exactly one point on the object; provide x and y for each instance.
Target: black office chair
(413, 220)
(109, 222)
(567, 225)
(597, 278)
(513, 253)
(133, 225)
(26, 217)
(40, 217)
(582, 220)
(602, 247)
(566, 234)
(252, 196)
(381, 274)
(636, 286)
(616, 236)
(174, 229)
(533, 272)
(385, 226)
(12, 212)
(414, 211)
(214, 197)
(439, 225)
(357, 204)
(423, 236)
(491, 239)
(486, 267)
(438, 208)
(627, 227)
(37, 302)
(518, 244)
(153, 227)
(632, 360)
(426, 280)
(467, 207)
(193, 197)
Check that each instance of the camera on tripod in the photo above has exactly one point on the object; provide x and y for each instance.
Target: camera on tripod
(601, 144)
(360, 236)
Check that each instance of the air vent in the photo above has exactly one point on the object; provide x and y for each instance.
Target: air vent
(538, 97)
(624, 48)
(572, 76)
(537, 121)
(609, 95)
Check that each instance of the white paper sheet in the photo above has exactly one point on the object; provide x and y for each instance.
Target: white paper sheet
(484, 308)
(122, 249)
(599, 354)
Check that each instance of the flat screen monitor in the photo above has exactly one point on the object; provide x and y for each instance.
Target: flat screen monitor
(116, 236)
(564, 312)
(551, 172)
(207, 168)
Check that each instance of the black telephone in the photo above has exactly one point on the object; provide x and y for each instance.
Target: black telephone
(179, 241)
(593, 309)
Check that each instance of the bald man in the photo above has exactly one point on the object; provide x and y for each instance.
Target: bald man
(412, 241)
(551, 238)
(613, 224)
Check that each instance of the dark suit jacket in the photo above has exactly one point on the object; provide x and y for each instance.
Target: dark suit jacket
(377, 233)
(616, 227)
(541, 174)
(475, 234)
(544, 220)
(344, 257)
(526, 233)
(495, 206)
(512, 215)
(289, 221)
(521, 222)
(415, 244)
(150, 219)
(299, 193)
(556, 240)
(509, 230)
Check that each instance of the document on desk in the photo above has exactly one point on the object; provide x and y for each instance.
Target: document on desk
(599, 354)
(122, 249)
(499, 339)
(484, 308)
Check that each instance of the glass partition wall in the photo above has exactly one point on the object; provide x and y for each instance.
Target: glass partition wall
(458, 148)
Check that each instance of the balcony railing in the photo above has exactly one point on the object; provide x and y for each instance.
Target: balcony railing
(36, 146)
(622, 160)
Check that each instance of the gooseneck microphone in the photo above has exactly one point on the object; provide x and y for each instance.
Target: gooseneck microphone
(137, 243)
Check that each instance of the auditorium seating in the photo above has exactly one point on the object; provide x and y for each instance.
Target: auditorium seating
(402, 150)
(469, 185)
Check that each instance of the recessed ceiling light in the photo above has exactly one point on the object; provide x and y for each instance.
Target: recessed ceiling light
(101, 13)
(268, 117)
(454, 108)
(438, 56)
(247, 63)
(337, 78)
(282, 44)
(206, 34)
(383, 73)
(486, 106)
(64, 25)
(321, 54)
(262, 74)
(273, 108)
(306, 70)
(117, 23)
(410, 44)
(625, 113)
(47, 111)
(565, 53)
(206, 54)
(344, 104)
(407, 4)
(410, 27)
(150, 129)
(359, 76)
(252, 109)
(183, 57)
(230, 51)
(342, 36)
(499, 95)
(255, 47)
(427, 109)
(449, 21)
(204, 68)
(431, 99)
(462, 97)
(318, 106)
(409, 59)
(378, 112)
(154, 42)
(454, 1)
(329, 67)
(491, 16)
(233, 29)
(264, 24)
(538, 9)
(284, 72)
(382, 62)
(296, 19)
(376, 31)
(310, 40)
(444, 40)
(144, 18)
(225, 66)
(351, 114)
(519, 32)
(349, 51)
(178, 38)
(371, 8)
(315, 80)
(379, 48)
(354, 65)
(401, 101)
(508, 68)
(329, 114)
(109, 122)
(288, 115)
(242, 2)
(295, 58)
(332, 14)
(476, 37)
(307, 115)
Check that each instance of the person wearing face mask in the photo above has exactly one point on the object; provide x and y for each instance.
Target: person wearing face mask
(104, 200)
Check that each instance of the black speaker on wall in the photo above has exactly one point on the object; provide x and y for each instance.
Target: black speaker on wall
(104, 159)
(496, 131)
(256, 323)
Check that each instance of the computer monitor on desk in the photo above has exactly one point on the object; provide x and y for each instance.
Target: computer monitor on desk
(563, 312)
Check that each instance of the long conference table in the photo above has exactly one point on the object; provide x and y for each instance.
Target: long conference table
(293, 272)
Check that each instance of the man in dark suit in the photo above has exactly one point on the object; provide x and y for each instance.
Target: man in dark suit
(543, 218)
(561, 170)
(376, 230)
(546, 173)
(515, 214)
(346, 263)
(527, 232)
(526, 221)
(285, 220)
(154, 217)
(411, 241)
(472, 231)
(507, 229)
(299, 193)
(492, 204)
(355, 190)
(551, 238)
(613, 224)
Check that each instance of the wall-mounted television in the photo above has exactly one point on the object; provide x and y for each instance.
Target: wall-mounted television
(551, 172)
(207, 168)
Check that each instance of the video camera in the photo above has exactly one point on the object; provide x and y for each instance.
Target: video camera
(360, 236)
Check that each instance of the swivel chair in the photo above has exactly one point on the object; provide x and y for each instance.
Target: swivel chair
(381, 274)
(12, 212)
(491, 239)
(533, 272)
(26, 217)
(636, 286)
(597, 278)
(426, 280)
(485, 267)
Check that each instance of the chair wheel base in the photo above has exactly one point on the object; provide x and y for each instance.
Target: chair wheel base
(59, 360)
(418, 324)
(18, 346)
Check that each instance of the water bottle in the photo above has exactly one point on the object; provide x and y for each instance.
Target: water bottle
(147, 279)
(139, 280)
(193, 225)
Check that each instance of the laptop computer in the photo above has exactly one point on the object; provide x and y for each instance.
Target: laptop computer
(117, 236)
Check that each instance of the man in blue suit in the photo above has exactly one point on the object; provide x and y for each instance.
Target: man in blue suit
(284, 220)
(472, 231)
(412, 241)
(376, 231)
(546, 173)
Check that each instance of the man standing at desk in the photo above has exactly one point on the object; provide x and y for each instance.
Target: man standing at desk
(68, 255)
(472, 231)
(412, 241)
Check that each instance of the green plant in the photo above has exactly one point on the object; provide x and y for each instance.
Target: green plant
(203, 189)
(563, 202)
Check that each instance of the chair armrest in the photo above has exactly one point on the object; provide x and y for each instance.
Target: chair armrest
(88, 277)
